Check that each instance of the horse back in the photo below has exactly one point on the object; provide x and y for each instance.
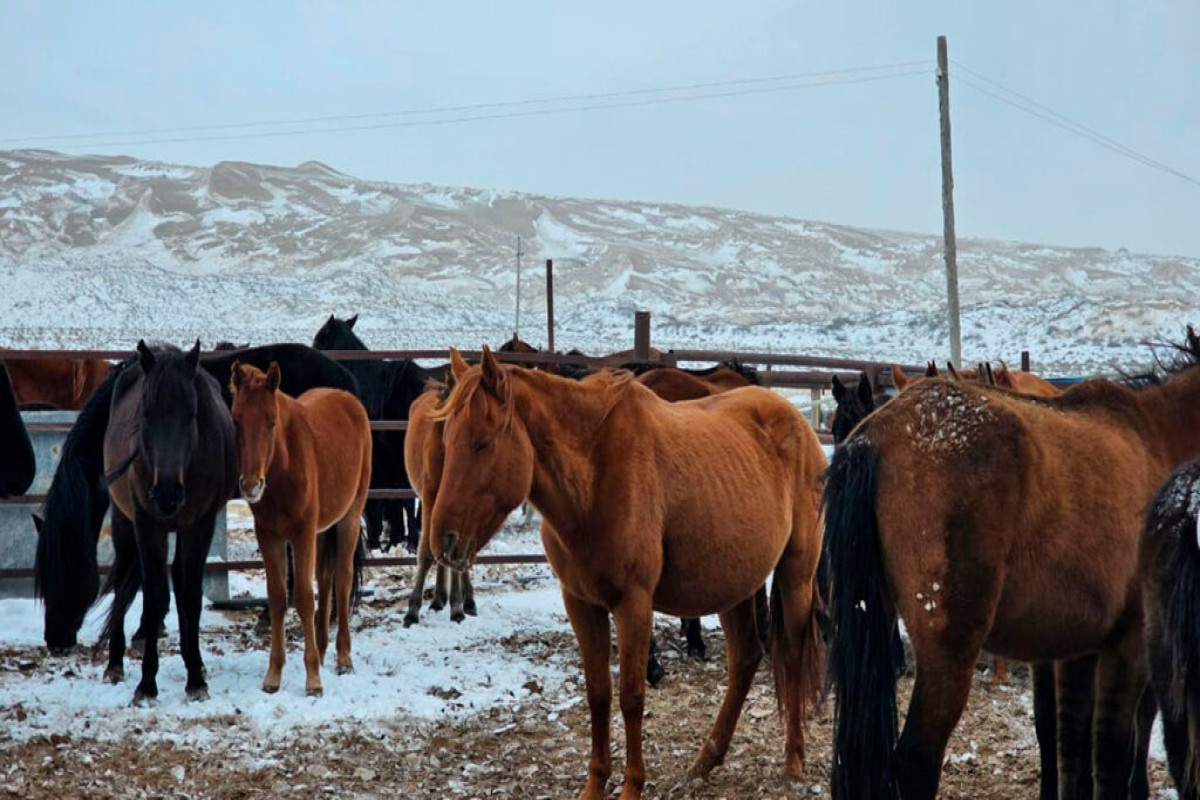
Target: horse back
(336, 435)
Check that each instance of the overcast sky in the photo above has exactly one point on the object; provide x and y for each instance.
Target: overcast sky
(862, 153)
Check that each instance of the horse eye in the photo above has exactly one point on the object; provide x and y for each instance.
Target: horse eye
(481, 445)
(271, 423)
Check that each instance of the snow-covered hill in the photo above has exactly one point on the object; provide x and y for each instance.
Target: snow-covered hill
(98, 251)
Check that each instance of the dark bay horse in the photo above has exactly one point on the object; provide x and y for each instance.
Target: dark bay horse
(17, 462)
(170, 462)
(387, 388)
(647, 505)
(1169, 559)
(304, 466)
(66, 576)
(988, 519)
(56, 382)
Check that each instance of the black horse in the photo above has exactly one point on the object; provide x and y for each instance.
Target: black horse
(1169, 559)
(66, 576)
(17, 463)
(388, 388)
(170, 456)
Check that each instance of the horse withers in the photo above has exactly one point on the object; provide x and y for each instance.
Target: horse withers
(684, 508)
(170, 462)
(304, 467)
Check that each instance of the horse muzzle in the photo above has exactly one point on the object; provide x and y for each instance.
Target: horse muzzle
(252, 492)
(454, 551)
(168, 497)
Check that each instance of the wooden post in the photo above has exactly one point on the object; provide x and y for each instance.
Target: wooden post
(814, 396)
(943, 81)
(641, 335)
(550, 305)
(1024, 361)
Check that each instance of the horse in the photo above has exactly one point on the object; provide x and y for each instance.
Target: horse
(388, 388)
(66, 574)
(170, 463)
(987, 519)
(423, 459)
(673, 384)
(304, 468)
(56, 382)
(17, 462)
(1169, 563)
(647, 505)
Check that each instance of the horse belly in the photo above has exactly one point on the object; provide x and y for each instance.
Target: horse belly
(701, 577)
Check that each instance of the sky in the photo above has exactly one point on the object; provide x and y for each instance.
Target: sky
(861, 147)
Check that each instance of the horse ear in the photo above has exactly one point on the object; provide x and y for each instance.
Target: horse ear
(866, 395)
(1192, 341)
(235, 376)
(954, 376)
(38, 522)
(350, 322)
(145, 356)
(458, 365)
(273, 376)
(839, 391)
(899, 379)
(931, 370)
(192, 359)
(492, 374)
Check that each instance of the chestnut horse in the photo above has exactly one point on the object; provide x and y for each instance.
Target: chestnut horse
(683, 508)
(673, 385)
(991, 520)
(423, 457)
(1169, 561)
(304, 467)
(64, 383)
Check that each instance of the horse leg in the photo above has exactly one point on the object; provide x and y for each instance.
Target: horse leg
(324, 592)
(938, 699)
(440, 594)
(1121, 677)
(152, 552)
(468, 595)
(412, 541)
(274, 553)
(424, 561)
(125, 581)
(343, 579)
(634, 618)
(742, 656)
(690, 626)
(1139, 781)
(191, 553)
(654, 670)
(304, 559)
(1045, 709)
(591, 627)
(456, 596)
(1076, 695)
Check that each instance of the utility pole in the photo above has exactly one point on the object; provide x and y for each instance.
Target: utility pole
(517, 320)
(550, 304)
(943, 81)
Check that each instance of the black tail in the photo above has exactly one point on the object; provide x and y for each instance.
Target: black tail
(862, 664)
(1170, 548)
(65, 572)
(19, 465)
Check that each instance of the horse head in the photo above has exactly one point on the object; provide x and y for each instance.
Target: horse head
(488, 466)
(338, 334)
(255, 415)
(167, 430)
(852, 406)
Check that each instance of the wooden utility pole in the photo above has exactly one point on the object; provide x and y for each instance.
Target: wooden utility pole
(943, 81)
(550, 305)
(517, 319)
(641, 335)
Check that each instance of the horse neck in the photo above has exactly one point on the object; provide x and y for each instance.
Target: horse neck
(561, 417)
(1173, 415)
(290, 425)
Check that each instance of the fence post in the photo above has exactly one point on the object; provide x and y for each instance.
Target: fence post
(641, 335)
(1024, 361)
(815, 397)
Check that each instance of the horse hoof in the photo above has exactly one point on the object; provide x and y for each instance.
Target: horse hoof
(437, 605)
(345, 669)
(315, 691)
(114, 675)
(61, 650)
(198, 694)
(655, 674)
(143, 700)
(703, 764)
(457, 616)
(411, 619)
(698, 653)
(470, 610)
(270, 688)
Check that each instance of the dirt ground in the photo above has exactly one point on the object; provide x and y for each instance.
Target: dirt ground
(535, 750)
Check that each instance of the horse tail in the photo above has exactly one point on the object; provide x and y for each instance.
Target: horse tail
(327, 563)
(124, 580)
(861, 659)
(65, 572)
(1173, 606)
(797, 663)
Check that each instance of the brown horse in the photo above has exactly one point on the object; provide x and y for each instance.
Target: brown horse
(64, 383)
(683, 508)
(990, 520)
(423, 458)
(304, 467)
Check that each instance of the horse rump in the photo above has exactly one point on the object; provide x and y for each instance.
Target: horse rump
(1170, 565)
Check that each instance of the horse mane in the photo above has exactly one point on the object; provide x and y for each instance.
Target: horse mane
(1184, 356)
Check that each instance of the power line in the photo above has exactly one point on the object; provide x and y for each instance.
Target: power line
(509, 115)
(1047, 114)
(686, 87)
